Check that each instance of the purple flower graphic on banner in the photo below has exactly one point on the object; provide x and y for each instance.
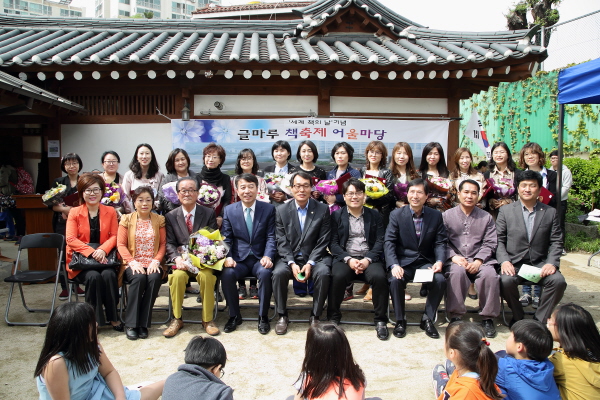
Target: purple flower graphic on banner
(224, 130)
(186, 131)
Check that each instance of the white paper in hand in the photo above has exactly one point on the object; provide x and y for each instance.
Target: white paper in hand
(530, 273)
(423, 276)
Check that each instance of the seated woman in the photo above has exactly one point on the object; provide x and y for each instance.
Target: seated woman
(73, 364)
(199, 377)
(328, 351)
(93, 222)
(577, 360)
(142, 242)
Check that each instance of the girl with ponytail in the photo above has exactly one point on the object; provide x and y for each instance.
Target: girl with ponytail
(474, 365)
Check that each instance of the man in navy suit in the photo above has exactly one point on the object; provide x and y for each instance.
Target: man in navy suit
(249, 230)
(416, 239)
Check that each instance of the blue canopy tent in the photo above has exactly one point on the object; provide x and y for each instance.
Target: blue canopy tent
(576, 85)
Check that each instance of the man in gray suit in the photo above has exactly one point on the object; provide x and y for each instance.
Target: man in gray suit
(181, 222)
(529, 233)
(302, 228)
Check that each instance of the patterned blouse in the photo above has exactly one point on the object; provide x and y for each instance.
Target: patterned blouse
(144, 242)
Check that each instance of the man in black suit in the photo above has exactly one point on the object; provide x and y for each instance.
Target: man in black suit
(249, 230)
(182, 222)
(357, 250)
(416, 239)
(302, 230)
(529, 233)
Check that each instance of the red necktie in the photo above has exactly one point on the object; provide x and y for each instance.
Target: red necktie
(188, 222)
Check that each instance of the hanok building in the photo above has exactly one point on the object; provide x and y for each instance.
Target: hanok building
(342, 58)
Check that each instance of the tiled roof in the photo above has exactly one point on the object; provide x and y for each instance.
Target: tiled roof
(212, 8)
(45, 40)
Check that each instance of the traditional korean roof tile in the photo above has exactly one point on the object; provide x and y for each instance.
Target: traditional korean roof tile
(397, 41)
(213, 8)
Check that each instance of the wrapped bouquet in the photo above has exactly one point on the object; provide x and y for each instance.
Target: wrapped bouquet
(114, 197)
(327, 187)
(207, 249)
(263, 197)
(333, 208)
(278, 183)
(502, 188)
(170, 192)
(374, 188)
(54, 196)
(208, 195)
(439, 188)
(401, 191)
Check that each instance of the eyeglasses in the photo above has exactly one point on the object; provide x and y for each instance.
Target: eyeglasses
(92, 191)
(246, 159)
(72, 164)
(209, 157)
(186, 192)
(302, 187)
(222, 373)
(111, 162)
(352, 194)
(375, 153)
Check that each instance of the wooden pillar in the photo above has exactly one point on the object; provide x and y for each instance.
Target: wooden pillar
(454, 126)
(324, 110)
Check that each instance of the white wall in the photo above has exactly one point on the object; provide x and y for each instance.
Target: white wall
(388, 105)
(90, 141)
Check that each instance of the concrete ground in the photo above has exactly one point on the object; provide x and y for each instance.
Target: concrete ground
(263, 367)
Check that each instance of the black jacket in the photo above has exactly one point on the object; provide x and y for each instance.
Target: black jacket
(340, 231)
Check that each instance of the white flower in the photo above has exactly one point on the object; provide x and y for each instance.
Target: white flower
(186, 131)
(224, 130)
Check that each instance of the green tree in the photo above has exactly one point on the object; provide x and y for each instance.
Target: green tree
(543, 12)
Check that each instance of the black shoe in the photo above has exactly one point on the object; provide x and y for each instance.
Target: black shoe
(264, 326)
(313, 320)
(423, 292)
(429, 328)
(473, 296)
(143, 332)
(199, 298)
(219, 297)
(232, 324)
(131, 333)
(488, 328)
(511, 323)
(382, 331)
(118, 328)
(302, 294)
(455, 319)
(400, 329)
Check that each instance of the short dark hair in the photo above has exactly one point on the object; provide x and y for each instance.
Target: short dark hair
(284, 145)
(471, 181)
(170, 164)
(302, 175)
(313, 148)
(529, 175)
(70, 157)
(242, 154)
(417, 182)
(136, 168)
(140, 190)
(206, 352)
(349, 149)
(111, 152)
(536, 338)
(86, 180)
(213, 147)
(553, 153)
(482, 164)
(357, 183)
(247, 177)
(187, 178)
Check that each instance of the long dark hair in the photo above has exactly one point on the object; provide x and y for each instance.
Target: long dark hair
(136, 168)
(243, 153)
(510, 164)
(411, 171)
(456, 172)
(475, 355)
(577, 332)
(441, 165)
(72, 332)
(328, 359)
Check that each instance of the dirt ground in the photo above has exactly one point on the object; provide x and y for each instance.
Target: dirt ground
(264, 367)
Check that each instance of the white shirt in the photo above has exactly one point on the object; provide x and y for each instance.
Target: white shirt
(185, 214)
(252, 209)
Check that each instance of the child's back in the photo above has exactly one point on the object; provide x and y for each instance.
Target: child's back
(577, 379)
(526, 379)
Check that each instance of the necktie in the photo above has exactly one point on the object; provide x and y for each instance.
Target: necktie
(249, 222)
(188, 222)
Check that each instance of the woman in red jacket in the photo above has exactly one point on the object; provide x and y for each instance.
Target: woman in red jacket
(93, 222)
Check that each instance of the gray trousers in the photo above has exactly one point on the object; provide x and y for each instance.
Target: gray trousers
(554, 287)
(320, 273)
(487, 283)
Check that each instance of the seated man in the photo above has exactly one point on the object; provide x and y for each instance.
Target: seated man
(415, 239)
(529, 233)
(182, 222)
(357, 247)
(472, 242)
(302, 230)
(249, 230)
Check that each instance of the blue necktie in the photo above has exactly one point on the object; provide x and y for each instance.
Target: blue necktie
(249, 222)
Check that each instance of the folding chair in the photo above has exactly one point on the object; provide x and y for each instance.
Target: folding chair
(35, 241)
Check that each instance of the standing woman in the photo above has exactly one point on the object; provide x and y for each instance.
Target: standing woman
(71, 165)
(433, 164)
(93, 222)
(281, 153)
(110, 163)
(402, 166)
(376, 156)
(307, 155)
(143, 171)
(463, 169)
(343, 154)
(178, 166)
(501, 166)
(142, 242)
(214, 157)
(532, 157)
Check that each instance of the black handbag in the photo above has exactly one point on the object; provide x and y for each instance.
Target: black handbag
(81, 262)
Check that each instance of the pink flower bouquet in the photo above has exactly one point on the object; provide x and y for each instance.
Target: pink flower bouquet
(208, 195)
(401, 191)
(327, 187)
(502, 187)
(263, 197)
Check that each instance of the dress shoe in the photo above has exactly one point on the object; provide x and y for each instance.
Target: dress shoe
(400, 329)
(335, 320)
(211, 328)
(174, 327)
(302, 295)
(382, 331)
(282, 325)
(119, 328)
(313, 320)
(264, 326)
(232, 324)
(423, 292)
(455, 319)
(488, 328)
(131, 333)
(429, 328)
(511, 323)
(143, 332)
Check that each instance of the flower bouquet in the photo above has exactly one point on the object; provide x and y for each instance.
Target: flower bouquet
(54, 196)
(439, 188)
(333, 208)
(114, 197)
(502, 188)
(327, 187)
(170, 192)
(208, 195)
(401, 191)
(7, 201)
(374, 188)
(263, 197)
(278, 183)
(207, 249)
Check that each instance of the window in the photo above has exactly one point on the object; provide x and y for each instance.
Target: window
(141, 10)
(124, 1)
(154, 4)
(124, 13)
(9, 4)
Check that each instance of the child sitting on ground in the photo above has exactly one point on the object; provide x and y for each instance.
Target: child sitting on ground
(524, 371)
